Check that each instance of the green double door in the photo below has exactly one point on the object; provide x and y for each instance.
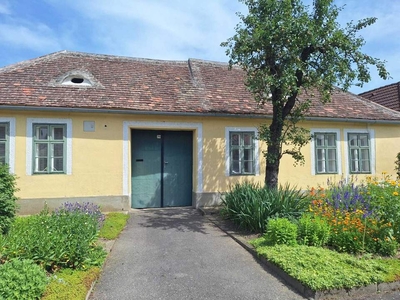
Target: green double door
(161, 168)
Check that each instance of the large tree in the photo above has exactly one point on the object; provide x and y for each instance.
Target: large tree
(286, 47)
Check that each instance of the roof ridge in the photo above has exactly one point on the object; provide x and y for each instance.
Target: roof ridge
(32, 61)
(378, 88)
(373, 103)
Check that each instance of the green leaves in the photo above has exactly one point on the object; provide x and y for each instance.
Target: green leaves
(250, 205)
(54, 241)
(8, 200)
(22, 279)
(286, 47)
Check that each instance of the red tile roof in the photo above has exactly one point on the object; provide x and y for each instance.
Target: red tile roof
(388, 95)
(144, 85)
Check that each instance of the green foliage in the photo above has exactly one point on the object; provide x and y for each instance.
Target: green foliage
(323, 269)
(397, 165)
(313, 230)
(385, 201)
(281, 231)
(357, 225)
(113, 225)
(287, 48)
(70, 284)
(22, 279)
(57, 240)
(8, 200)
(250, 205)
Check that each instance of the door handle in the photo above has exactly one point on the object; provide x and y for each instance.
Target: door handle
(165, 162)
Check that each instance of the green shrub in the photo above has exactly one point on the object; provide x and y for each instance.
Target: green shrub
(8, 200)
(313, 231)
(249, 205)
(385, 201)
(22, 279)
(57, 240)
(281, 231)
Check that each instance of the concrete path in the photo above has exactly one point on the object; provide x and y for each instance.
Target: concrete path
(178, 254)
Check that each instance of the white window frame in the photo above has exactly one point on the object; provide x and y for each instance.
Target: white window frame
(11, 142)
(254, 130)
(29, 143)
(338, 152)
(372, 156)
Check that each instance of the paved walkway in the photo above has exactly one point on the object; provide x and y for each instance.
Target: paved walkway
(178, 254)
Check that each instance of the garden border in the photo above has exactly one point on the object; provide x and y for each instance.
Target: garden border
(212, 214)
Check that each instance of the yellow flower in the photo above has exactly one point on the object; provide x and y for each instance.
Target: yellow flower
(395, 193)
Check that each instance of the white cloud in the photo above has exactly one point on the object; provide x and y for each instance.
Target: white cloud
(160, 29)
(5, 8)
(36, 37)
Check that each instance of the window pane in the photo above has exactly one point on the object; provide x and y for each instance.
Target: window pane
(235, 167)
(248, 154)
(248, 167)
(365, 166)
(58, 133)
(352, 139)
(364, 154)
(3, 149)
(331, 166)
(319, 138)
(331, 140)
(235, 154)
(320, 154)
(248, 139)
(363, 140)
(320, 166)
(58, 165)
(41, 164)
(41, 150)
(58, 150)
(42, 132)
(3, 132)
(235, 139)
(331, 154)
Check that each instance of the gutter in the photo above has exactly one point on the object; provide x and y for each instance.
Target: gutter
(188, 114)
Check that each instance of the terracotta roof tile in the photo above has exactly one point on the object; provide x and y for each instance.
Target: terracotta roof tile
(388, 95)
(143, 85)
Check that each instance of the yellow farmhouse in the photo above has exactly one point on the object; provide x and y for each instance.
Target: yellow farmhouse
(125, 132)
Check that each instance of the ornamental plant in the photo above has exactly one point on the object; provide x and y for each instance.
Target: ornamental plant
(384, 193)
(250, 205)
(397, 165)
(281, 231)
(62, 239)
(313, 230)
(22, 279)
(8, 200)
(356, 224)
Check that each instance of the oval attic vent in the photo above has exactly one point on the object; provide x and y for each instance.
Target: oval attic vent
(76, 80)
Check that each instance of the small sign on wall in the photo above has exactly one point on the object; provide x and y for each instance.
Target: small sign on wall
(88, 126)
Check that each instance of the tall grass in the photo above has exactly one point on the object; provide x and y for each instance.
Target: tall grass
(250, 205)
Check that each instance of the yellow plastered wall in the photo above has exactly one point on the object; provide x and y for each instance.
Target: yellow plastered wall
(97, 157)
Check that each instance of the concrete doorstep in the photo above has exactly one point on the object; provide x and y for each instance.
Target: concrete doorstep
(242, 238)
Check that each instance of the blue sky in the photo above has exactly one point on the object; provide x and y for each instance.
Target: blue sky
(164, 29)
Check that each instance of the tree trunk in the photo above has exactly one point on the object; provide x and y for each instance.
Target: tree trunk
(274, 151)
(272, 169)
